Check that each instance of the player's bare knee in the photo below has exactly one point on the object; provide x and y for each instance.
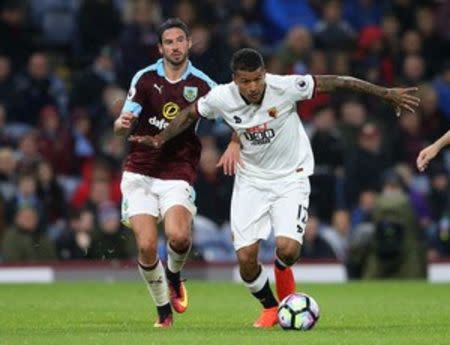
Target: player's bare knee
(248, 267)
(147, 255)
(289, 252)
(248, 272)
(180, 243)
(147, 251)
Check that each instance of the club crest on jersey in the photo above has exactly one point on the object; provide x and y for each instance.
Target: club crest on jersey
(273, 112)
(190, 93)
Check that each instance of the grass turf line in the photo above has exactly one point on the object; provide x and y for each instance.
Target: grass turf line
(222, 313)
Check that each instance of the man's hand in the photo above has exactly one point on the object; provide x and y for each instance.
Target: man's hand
(402, 99)
(152, 141)
(426, 155)
(123, 123)
(230, 159)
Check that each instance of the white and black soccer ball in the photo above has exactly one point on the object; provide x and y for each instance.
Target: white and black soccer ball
(298, 311)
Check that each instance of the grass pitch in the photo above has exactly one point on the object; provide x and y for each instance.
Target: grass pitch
(222, 313)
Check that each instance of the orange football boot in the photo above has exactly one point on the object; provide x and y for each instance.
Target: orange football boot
(179, 299)
(284, 282)
(166, 323)
(268, 318)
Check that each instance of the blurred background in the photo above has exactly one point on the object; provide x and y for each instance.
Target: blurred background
(63, 63)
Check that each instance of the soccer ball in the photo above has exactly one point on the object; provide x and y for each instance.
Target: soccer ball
(299, 312)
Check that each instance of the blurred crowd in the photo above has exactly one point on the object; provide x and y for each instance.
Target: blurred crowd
(63, 63)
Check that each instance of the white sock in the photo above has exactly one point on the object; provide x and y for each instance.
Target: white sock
(259, 282)
(156, 283)
(176, 261)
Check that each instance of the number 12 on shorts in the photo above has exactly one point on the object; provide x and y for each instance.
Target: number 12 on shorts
(302, 217)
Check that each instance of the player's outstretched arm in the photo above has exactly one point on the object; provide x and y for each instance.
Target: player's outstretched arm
(428, 153)
(401, 98)
(183, 120)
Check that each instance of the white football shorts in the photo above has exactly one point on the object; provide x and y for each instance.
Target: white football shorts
(148, 195)
(257, 208)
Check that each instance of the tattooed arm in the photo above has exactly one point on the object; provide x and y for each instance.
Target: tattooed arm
(181, 122)
(401, 98)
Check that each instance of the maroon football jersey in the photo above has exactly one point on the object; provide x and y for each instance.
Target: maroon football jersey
(156, 102)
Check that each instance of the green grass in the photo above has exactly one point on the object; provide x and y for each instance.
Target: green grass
(221, 313)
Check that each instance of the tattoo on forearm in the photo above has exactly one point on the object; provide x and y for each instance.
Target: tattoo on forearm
(186, 118)
(327, 83)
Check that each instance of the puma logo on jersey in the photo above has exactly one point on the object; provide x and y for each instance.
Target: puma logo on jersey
(158, 123)
(159, 88)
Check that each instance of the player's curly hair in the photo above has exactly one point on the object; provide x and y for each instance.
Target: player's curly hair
(173, 23)
(246, 59)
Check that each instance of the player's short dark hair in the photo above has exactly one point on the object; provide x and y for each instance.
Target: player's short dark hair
(173, 23)
(246, 59)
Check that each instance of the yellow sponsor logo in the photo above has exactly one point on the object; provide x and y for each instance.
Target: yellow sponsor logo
(170, 110)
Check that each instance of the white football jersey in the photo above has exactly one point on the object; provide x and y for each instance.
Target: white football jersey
(274, 142)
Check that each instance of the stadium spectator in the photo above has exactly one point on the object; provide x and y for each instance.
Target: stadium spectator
(362, 212)
(25, 196)
(99, 24)
(40, 87)
(55, 142)
(111, 241)
(6, 82)
(206, 53)
(433, 122)
(314, 245)
(337, 235)
(213, 188)
(15, 36)
(75, 242)
(24, 242)
(366, 165)
(83, 142)
(5, 137)
(8, 163)
(138, 42)
(362, 13)
(390, 26)
(353, 114)
(434, 46)
(51, 195)
(397, 249)
(332, 32)
(408, 139)
(328, 149)
(404, 10)
(89, 85)
(99, 184)
(294, 52)
(282, 16)
(413, 70)
(438, 195)
(442, 87)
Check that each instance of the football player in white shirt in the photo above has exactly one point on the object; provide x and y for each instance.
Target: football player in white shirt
(271, 189)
